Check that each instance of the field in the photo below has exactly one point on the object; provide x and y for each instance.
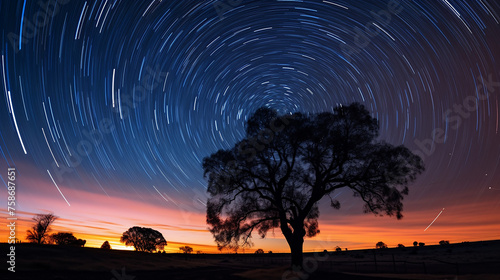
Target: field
(466, 261)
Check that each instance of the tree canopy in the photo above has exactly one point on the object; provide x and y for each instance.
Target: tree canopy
(276, 175)
(66, 238)
(186, 249)
(381, 245)
(143, 239)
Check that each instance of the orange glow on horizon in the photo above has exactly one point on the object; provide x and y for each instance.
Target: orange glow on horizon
(99, 217)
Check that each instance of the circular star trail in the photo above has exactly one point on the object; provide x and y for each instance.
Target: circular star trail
(126, 95)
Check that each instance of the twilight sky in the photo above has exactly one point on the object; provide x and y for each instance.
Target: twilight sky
(108, 108)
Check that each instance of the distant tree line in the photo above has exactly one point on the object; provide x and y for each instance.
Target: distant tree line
(141, 238)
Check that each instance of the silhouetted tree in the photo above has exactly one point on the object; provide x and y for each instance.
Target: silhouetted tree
(338, 249)
(38, 233)
(259, 251)
(421, 244)
(199, 252)
(381, 245)
(444, 242)
(275, 177)
(106, 245)
(62, 238)
(143, 239)
(415, 243)
(66, 238)
(186, 249)
(401, 245)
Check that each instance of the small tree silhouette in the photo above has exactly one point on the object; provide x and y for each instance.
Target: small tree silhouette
(38, 233)
(106, 245)
(401, 245)
(380, 245)
(259, 251)
(421, 244)
(143, 239)
(186, 249)
(415, 243)
(444, 242)
(338, 249)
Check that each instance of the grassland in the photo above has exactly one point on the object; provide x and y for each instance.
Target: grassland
(465, 261)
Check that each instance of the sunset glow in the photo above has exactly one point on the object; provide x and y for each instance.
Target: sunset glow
(98, 217)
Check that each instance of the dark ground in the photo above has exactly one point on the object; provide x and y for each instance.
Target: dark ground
(468, 261)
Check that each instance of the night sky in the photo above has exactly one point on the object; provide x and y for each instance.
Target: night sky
(108, 107)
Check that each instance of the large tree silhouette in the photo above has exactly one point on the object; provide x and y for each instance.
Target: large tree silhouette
(39, 231)
(275, 177)
(144, 239)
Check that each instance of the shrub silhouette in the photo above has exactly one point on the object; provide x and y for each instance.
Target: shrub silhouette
(39, 232)
(415, 243)
(276, 176)
(143, 239)
(106, 245)
(338, 249)
(259, 251)
(421, 244)
(401, 245)
(444, 242)
(381, 245)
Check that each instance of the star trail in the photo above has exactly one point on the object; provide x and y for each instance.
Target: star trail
(127, 97)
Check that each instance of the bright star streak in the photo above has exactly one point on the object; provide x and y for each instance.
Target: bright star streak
(434, 219)
(113, 89)
(57, 187)
(15, 123)
(21, 28)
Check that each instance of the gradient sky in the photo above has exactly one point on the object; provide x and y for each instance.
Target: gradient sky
(109, 107)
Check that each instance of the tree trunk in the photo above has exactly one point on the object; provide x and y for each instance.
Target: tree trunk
(295, 240)
(295, 244)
